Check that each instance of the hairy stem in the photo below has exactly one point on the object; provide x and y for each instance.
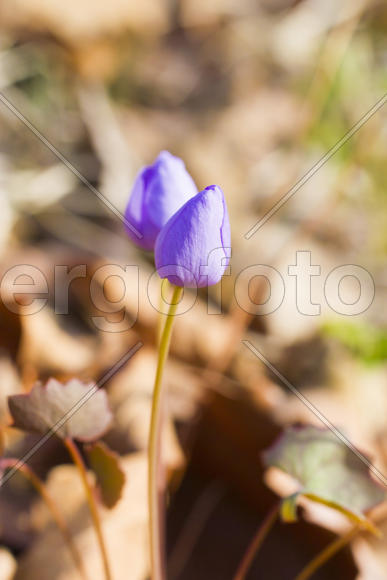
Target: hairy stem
(327, 554)
(154, 448)
(77, 458)
(40, 487)
(256, 543)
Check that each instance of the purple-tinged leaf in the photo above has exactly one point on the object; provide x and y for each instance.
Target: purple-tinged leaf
(74, 409)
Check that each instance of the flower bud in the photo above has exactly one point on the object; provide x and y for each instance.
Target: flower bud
(158, 192)
(193, 248)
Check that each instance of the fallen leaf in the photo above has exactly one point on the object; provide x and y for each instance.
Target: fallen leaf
(84, 407)
(10, 385)
(110, 477)
(47, 346)
(7, 564)
(125, 529)
(72, 21)
(326, 469)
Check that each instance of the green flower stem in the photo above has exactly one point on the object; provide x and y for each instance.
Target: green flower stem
(77, 458)
(328, 553)
(154, 447)
(164, 286)
(51, 505)
(256, 542)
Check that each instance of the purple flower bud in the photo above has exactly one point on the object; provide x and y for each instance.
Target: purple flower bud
(193, 248)
(158, 192)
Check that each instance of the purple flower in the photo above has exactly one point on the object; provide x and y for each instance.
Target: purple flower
(158, 192)
(193, 248)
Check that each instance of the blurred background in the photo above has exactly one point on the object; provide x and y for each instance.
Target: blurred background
(251, 94)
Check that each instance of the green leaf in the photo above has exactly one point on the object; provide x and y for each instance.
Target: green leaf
(75, 409)
(110, 477)
(367, 342)
(327, 471)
